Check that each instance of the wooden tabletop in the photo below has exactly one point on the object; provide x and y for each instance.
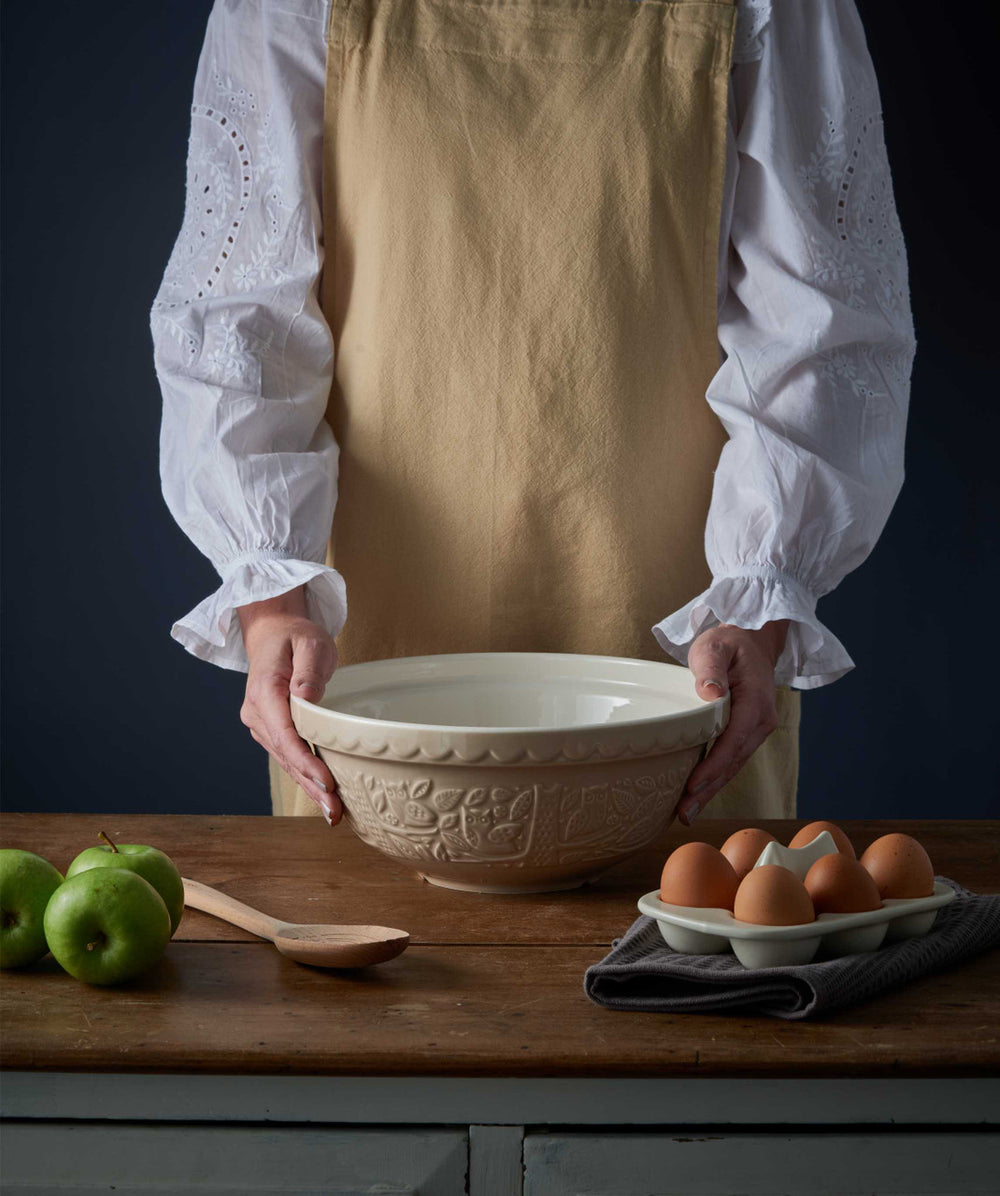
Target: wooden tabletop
(490, 986)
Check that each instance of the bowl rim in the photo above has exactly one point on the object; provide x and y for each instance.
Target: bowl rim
(364, 722)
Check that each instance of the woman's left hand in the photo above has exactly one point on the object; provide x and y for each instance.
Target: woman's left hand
(743, 661)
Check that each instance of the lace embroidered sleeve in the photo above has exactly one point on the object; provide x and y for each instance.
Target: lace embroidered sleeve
(241, 349)
(751, 18)
(818, 339)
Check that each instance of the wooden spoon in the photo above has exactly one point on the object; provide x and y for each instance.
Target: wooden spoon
(319, 946)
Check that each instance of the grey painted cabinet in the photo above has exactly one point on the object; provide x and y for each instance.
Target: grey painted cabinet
(239, 1161)
(804, 1164)
(170, 1159)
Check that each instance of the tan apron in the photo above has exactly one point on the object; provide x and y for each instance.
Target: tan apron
(521, 209)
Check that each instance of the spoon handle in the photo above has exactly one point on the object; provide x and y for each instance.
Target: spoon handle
(211, 901)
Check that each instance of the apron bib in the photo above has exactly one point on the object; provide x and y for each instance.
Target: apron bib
(521, 205)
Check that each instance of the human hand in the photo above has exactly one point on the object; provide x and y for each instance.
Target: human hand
(743, 661)
(288, 654)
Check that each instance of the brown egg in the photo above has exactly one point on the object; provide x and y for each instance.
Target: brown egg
(773, 896)
(900, 867)
(838, 885)
(742, 849)
(809, 832)
(698, 874)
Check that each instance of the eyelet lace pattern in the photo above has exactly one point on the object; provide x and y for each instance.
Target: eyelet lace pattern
(752, 17)
(863, 263)
(234, 233)
(232, 163)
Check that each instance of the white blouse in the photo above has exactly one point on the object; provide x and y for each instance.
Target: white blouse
(815, 330)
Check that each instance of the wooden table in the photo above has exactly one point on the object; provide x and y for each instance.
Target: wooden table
(479, 1039)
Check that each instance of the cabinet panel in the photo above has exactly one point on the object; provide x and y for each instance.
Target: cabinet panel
(807, 1164)
(50, 1157)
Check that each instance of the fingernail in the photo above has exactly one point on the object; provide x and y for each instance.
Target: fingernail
(698, 788)
(718, 685)
(316, 781)
(327, 815)
(691, 812)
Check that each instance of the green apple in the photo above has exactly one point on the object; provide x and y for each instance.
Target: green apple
(26, 884)
(151, 864)
(106, 925)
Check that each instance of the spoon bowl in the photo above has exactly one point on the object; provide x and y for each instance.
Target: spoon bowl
(340, 946)
(317, 946)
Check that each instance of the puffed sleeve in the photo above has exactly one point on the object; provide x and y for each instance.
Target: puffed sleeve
(817, 333)
(243, 354)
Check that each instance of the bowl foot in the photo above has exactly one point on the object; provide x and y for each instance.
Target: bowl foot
(558, 886)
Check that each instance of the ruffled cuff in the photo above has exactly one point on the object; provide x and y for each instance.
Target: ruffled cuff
(212, 630)
(813, 656)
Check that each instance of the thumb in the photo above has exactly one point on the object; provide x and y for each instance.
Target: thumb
(709, 659)
(313, 664)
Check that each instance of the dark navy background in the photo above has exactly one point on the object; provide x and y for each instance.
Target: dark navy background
(103, 711)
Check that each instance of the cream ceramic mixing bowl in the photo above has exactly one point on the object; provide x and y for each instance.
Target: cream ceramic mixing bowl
(510, 772)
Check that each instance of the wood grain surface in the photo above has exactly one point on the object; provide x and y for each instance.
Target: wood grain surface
(492, 986)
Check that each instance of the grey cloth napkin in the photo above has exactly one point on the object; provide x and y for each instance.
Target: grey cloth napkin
(641, 972)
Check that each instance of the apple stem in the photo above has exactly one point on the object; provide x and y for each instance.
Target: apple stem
(107, 839)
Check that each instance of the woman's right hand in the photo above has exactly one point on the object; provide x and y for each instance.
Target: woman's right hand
(288, 654)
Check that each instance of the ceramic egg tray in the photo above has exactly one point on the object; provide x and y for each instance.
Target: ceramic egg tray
(708, 931)
(703, 931)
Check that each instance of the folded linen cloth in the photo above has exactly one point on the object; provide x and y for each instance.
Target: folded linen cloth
(642, 973)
